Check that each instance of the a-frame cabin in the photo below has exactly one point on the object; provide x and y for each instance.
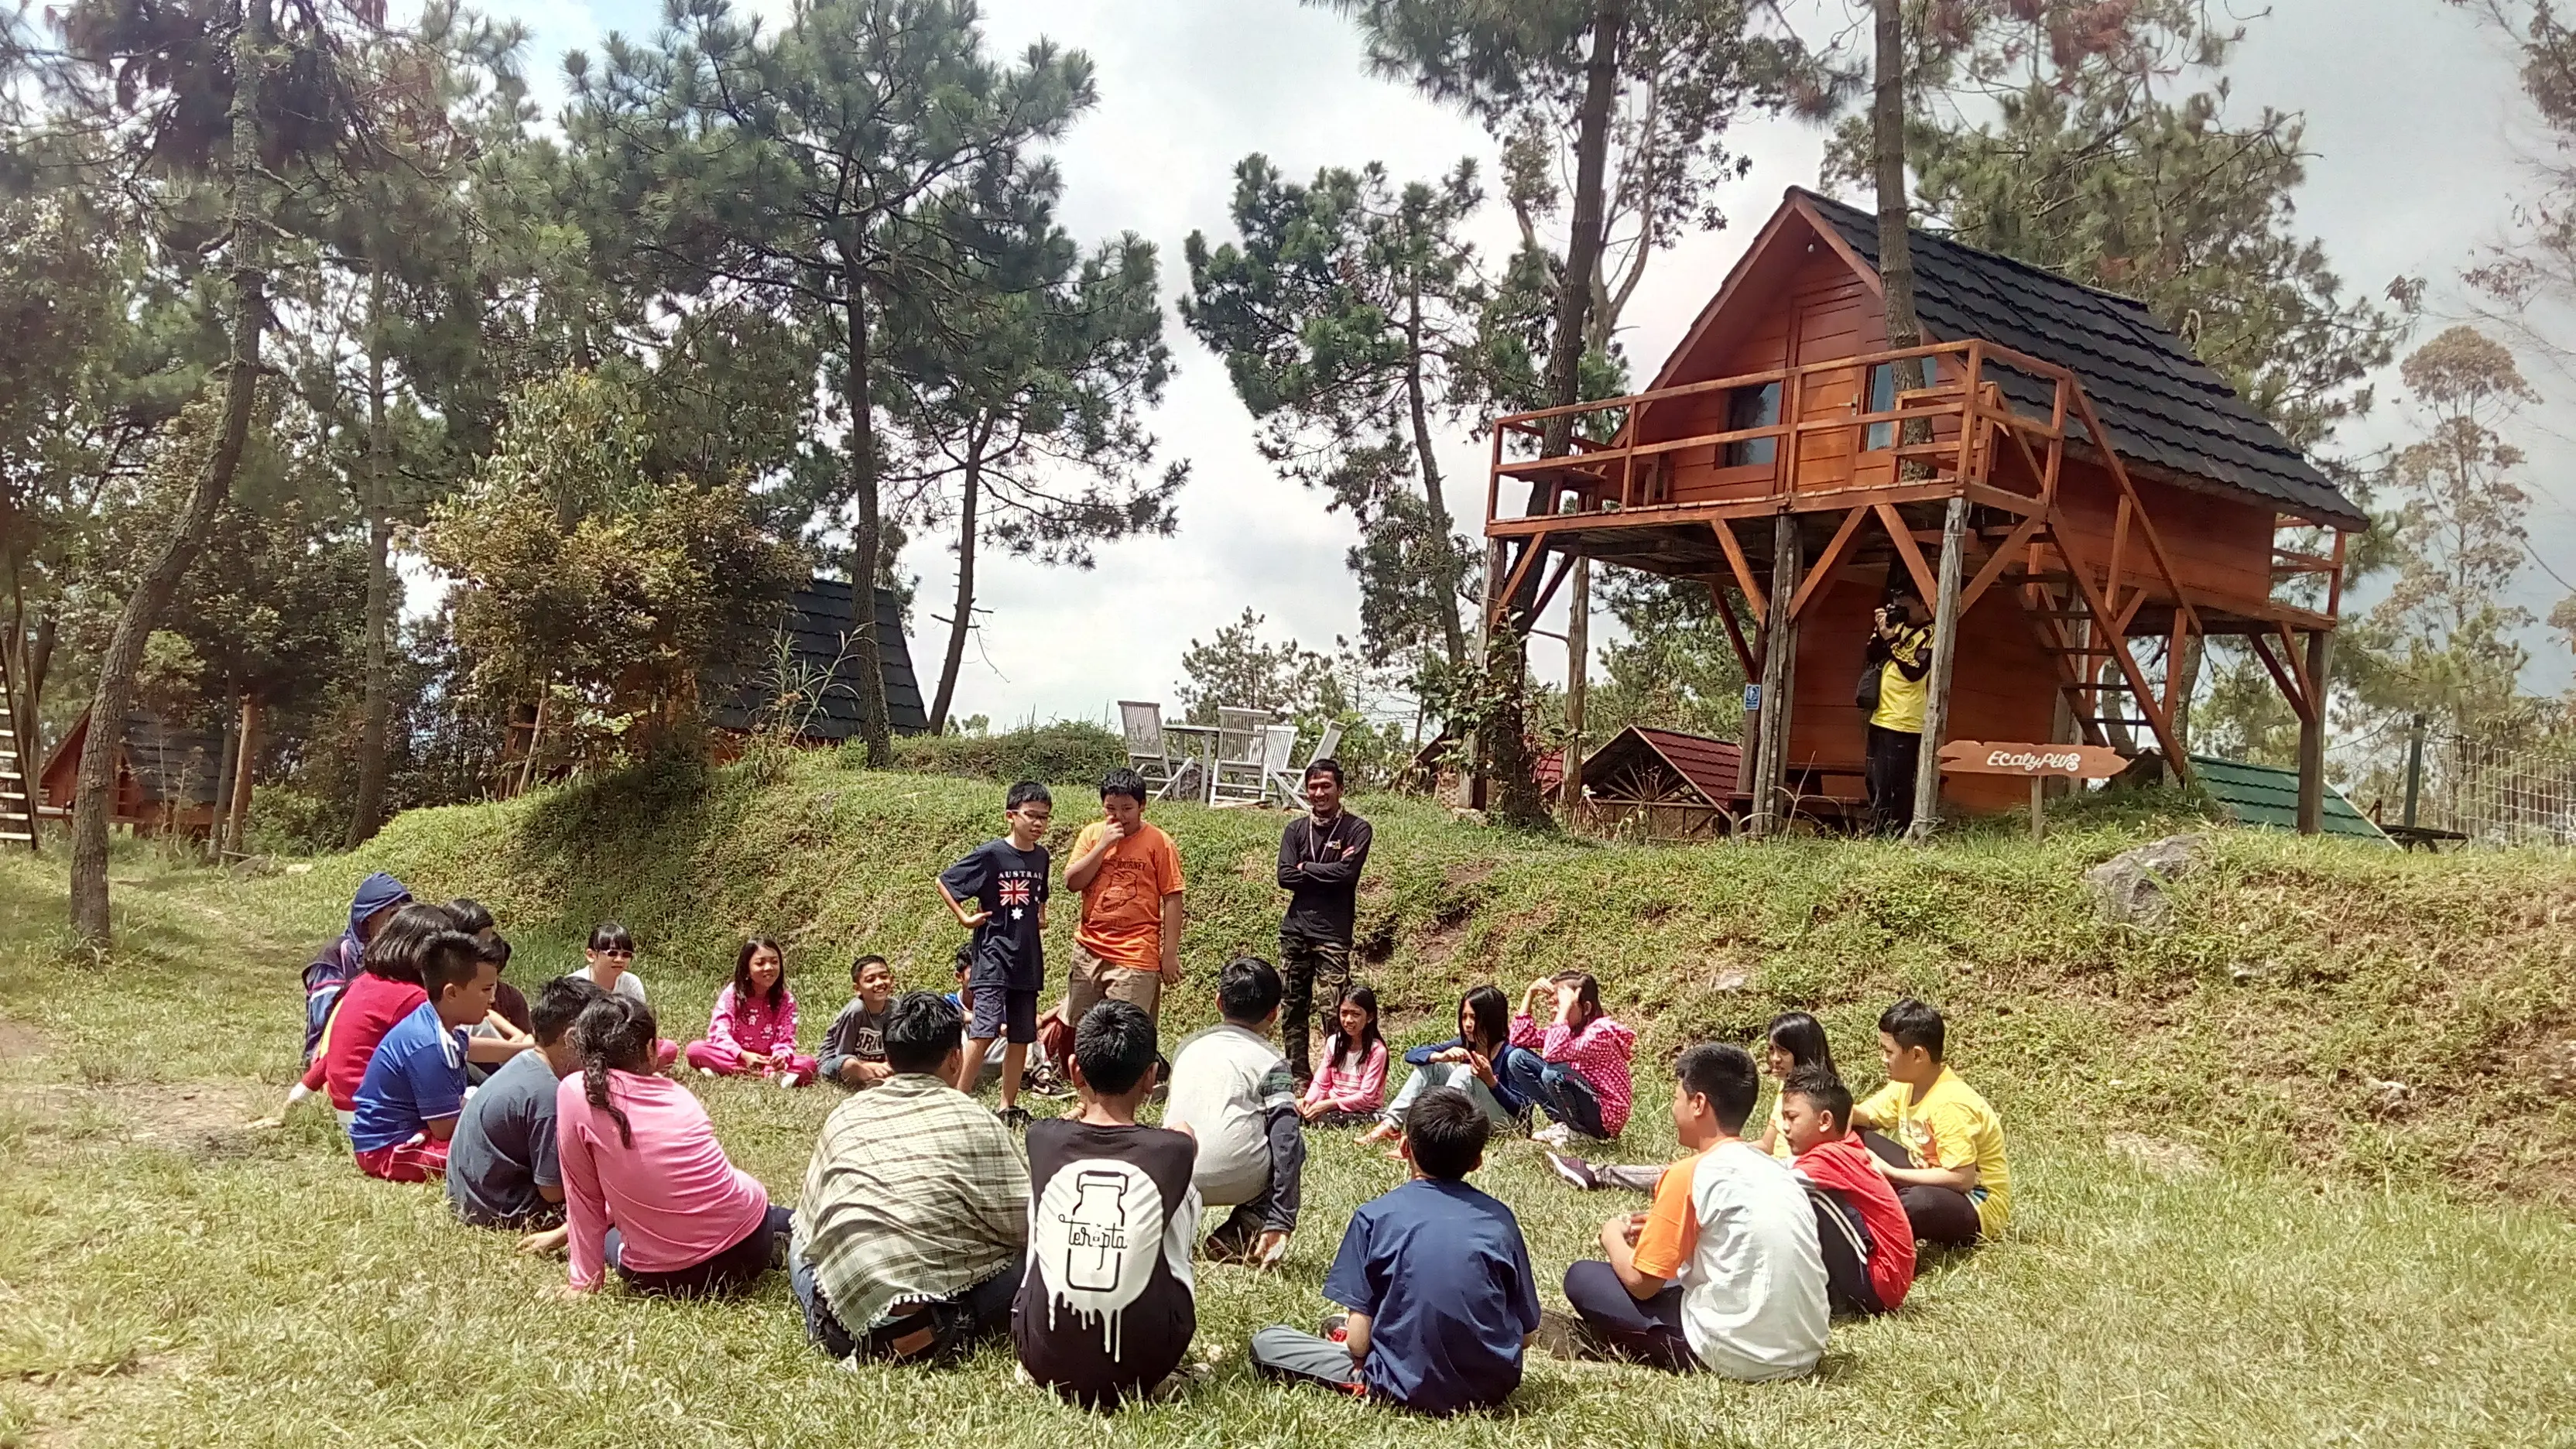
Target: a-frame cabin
(2105, 498)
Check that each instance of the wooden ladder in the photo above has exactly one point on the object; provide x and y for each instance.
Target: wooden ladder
(17, 794)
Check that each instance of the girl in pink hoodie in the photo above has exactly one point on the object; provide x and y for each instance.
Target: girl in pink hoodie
(754, 1029)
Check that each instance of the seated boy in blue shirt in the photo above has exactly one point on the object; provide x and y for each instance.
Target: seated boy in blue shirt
(414, 1089)
(1436, 1277)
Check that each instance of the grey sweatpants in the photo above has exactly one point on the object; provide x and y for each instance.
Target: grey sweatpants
(1281, 1352)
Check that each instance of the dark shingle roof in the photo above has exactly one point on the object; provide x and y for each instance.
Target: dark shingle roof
(172, 765)
(2161, 406)
(818, 620)
(1708, 766)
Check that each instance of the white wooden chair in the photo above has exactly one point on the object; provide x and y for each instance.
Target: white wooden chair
(1292, 784)
(1269, 775)
(1148, 754)
(1241, 745)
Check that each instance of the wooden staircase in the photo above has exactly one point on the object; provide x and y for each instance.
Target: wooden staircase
(2080, 608)
(17, 792)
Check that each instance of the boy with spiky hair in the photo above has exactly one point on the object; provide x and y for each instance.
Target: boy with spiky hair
(999, 891)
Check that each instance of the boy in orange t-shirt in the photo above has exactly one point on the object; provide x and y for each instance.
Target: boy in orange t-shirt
(1128, 945)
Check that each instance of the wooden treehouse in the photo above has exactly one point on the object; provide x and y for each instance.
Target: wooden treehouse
(168, 778)
(2077, 496)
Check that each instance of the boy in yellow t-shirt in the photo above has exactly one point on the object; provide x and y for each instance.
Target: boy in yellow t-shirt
(1937, 1142)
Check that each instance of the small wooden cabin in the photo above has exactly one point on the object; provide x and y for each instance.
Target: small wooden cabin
(2096, 496)
(820, 623)
(1662, 784)
(167, 778)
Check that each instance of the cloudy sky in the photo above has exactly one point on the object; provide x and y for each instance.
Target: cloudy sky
(2411, 110)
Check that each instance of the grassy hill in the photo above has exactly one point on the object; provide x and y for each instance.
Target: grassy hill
(2232, 1227)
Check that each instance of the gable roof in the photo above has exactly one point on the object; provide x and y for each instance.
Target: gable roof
(1695, 762)
(2268, 797)
(818, 620)
(2160, 404)
(170, 764)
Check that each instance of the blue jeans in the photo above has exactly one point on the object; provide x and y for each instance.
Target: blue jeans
(1556, 1089)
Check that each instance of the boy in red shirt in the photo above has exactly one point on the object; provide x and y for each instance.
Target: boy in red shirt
(1867, 1240)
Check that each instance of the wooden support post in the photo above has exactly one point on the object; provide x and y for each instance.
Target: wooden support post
(1474, 757)
(1779, 678)
(2312, 737)
(1578, 645)
(2038, 807)
(234, 829)
(1945, 657)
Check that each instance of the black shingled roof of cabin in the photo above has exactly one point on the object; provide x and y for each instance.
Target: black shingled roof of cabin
(2162, 407)
(819, 618)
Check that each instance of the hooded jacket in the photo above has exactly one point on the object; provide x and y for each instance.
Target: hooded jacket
(330, 970)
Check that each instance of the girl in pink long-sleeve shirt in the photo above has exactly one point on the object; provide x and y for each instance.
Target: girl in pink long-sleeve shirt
(1577, 1067)
(647, 1188)
(1352, 1085)
(754, 1029)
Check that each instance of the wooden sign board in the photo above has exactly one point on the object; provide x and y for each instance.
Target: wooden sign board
(2070, 762)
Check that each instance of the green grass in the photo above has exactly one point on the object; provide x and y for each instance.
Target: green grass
(2315, 1272)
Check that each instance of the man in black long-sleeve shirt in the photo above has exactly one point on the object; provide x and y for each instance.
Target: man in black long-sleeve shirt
(1320, 858)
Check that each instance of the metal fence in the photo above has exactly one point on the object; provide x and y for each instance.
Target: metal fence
(2499, 791)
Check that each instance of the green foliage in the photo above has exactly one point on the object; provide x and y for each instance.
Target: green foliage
(1351, 317)
(1066, 752)
(579, 567)
(2054, 133)
(1677, 669)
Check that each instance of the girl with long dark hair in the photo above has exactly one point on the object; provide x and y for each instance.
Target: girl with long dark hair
(648, 1191)
(1352, 1085)
(754, 1026)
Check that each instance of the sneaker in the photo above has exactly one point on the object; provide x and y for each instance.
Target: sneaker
(1574, 1170)
(1555, 1134)
(1015, 1117)
(706, 1071)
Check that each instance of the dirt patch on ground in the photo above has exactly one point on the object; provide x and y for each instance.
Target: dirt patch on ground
(210, 1119)
(1470, 873)
(20, 1042)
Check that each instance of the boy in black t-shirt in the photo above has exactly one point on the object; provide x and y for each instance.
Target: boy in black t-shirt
(1106, 1310)
(1006, 882)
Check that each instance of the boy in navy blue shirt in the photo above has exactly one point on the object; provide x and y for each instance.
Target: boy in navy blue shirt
(414, 1089)
(1436, 1277)
(999, 891)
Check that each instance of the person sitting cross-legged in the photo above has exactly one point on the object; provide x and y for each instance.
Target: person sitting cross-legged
(1106, 1311)
(909, 1241)
(1860, 1226)
(1233, 1093)
(1937, 1141)
(408, 1102)
(1723, 1273)
(1436, 1277)
(501, 1166)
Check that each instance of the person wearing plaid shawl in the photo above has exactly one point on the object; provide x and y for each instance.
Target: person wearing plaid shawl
(911, 1236)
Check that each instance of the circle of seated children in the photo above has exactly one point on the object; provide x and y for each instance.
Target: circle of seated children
(925, 1226)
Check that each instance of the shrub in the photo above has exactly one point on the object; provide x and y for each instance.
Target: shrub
(287, 821)
(1061, 752)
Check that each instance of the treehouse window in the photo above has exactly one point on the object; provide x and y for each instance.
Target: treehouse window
(1879, 437)
(1752, 407)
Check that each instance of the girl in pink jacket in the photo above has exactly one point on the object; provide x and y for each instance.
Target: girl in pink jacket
(1352, 1085)
(754, 1029)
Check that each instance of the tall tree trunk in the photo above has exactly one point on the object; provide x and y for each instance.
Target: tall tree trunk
(1453, 635)
(867, 533)
(1895, 239)
(368, 815)
(247, 253)
(236, 823)
(964, 618)
(1506, 657)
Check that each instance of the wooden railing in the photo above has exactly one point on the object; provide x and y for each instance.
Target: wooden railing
(1610, 466)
